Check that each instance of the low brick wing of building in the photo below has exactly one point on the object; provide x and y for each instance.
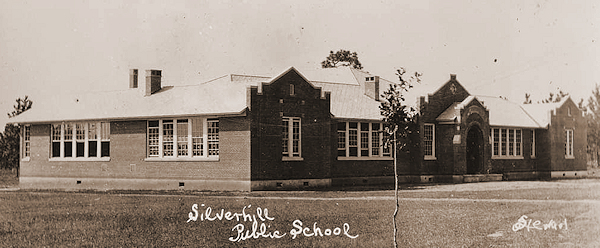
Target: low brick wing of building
(241, 132)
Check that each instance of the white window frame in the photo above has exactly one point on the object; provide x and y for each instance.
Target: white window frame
(432, 155)
(26, 143)
(291, 155)
(569, 153)
(102, 135)
(517, 150)
(381, 154)
(189, 156)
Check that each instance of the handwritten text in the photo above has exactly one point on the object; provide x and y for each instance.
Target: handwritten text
(523, 222)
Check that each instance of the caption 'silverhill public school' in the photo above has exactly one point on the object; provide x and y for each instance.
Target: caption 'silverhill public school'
(246, 133)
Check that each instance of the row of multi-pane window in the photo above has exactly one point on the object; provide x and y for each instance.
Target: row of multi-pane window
(193, 137)
(80, 140)
(199, 137)
(361, 139)
(507, 142)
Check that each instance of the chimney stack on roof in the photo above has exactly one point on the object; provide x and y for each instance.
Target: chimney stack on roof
(153, 81)
(372, 87)
(133, 78)
(453, 77)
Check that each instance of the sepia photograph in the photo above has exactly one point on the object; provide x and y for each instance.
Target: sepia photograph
(236, 123)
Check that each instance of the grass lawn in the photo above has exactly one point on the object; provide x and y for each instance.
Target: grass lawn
(464, 218)
(8, 179)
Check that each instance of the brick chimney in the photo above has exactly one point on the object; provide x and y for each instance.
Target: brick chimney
(133, 78)
(153, 81)
(372, 87)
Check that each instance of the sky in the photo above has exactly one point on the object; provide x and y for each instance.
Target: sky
(496, 48)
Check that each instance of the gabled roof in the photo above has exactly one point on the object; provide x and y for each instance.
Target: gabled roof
(452, 113)
(506, 113)
(225, 95)
(541, 111)
(349, 101)
(222, 96)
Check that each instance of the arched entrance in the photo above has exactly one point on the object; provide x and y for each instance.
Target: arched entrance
(474, 150)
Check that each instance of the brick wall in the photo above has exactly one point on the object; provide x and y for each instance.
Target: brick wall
(526, 164)
(448, 155)
(560, 121)
(266, 111)
(451, 92)
(128, 151)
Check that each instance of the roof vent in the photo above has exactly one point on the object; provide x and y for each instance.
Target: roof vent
(452, 76)
(153, 81)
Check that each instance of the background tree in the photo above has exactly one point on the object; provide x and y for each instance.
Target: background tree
(555, 97)
(21, 106)
(341, 58)
(552, 97)
(527, 99)
(400, 124)
(9, 140)
(593, 121)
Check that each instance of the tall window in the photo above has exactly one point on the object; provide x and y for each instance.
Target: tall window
(507, 143)
(68, 138)
(518, 142)
(533, 143)
(26, 141)
(197, 138)
(353, 138)
(167, 138)
(429, 141)
(291, 137)
(364, 139)
(213, 137)
(183, 138)
(153, 138)
(341, 131)
(569, 143)
(105, 139)
(80, 140)
(360, 139)
(375, 139)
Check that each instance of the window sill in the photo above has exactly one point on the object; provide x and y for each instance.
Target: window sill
(26, 159)
(292, 159)
(102, 159)
(569, 157)
(430, 158)
(365, 158)
(507, 157)
(532, 157)
(183, 159)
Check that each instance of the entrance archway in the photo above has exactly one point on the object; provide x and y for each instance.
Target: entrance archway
(474, 150)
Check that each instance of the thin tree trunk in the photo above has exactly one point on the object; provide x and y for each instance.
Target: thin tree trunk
(597, 157)
(395, 190)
